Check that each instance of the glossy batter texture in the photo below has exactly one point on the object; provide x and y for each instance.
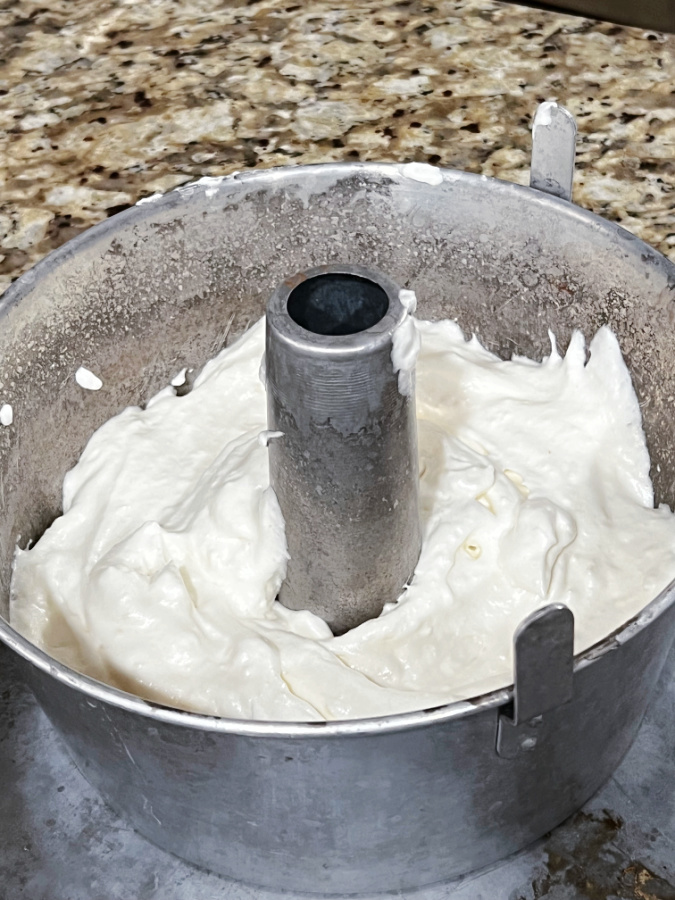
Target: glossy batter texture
(161, 575)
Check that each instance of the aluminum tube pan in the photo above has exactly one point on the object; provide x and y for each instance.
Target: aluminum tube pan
(345, 467)
(377, 804)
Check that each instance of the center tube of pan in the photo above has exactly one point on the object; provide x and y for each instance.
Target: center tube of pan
(345, 469)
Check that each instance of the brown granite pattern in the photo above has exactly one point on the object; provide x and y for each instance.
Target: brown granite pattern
(103, 102)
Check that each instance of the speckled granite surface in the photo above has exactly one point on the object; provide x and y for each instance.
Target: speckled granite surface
(103, 102)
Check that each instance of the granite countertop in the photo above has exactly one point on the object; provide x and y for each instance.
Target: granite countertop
(103, 102)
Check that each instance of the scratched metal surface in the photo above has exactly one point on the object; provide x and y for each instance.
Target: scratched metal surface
(59, 841)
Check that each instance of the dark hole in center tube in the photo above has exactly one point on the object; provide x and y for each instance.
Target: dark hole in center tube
(337, 304)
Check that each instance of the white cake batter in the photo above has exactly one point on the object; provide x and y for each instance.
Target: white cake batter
(161, 575)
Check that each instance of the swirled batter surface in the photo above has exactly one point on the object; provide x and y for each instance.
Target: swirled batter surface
(161, 575)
